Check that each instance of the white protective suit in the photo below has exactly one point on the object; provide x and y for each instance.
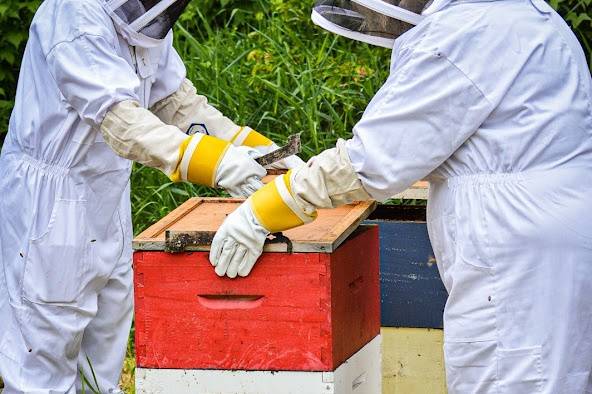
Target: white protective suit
(491, 102)
(65, 225)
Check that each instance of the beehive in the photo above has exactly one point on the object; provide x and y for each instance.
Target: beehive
(311, 302)
(412, 303)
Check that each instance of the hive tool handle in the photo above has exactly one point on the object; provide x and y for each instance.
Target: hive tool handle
(292, 147)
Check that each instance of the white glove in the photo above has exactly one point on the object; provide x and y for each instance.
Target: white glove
(238, 243)
(136, 134)
(239, 173)
(288, 163)
(207, 160)
(290, 200)
(191, 112)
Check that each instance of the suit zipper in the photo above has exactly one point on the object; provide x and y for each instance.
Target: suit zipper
(134, 56)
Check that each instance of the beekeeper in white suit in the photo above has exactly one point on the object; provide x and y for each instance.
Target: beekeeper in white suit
(90, 71)
(491, 102)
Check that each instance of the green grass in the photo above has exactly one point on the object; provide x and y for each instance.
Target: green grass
(270, 68)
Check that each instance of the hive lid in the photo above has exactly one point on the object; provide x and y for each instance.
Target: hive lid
(197, 214)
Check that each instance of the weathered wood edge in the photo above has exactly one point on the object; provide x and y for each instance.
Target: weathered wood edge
(297, 247)
(418, 191)
(321, 246)
(174, 216)
(367, 207)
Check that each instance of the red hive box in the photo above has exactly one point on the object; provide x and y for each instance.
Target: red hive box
(308, 310)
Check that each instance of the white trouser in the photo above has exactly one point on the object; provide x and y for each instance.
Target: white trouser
(515, 254)
(99, 333)
(65, 285)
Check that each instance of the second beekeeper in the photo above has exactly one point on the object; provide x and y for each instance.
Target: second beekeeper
(489, 101)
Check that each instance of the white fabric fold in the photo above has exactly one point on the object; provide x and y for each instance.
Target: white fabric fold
(328, 180)
(185, 108)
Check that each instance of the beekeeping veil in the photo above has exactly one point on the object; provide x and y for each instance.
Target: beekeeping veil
(144, 22)
(377, 22)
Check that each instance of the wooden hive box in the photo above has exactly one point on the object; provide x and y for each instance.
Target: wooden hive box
(412, 303)
(412, 293)
(308, 309)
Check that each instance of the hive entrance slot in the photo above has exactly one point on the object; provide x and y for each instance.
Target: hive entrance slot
(230, 301)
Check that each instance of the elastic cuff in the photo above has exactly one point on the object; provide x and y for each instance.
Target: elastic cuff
(246, 136)
(275, 207)
(200, 156)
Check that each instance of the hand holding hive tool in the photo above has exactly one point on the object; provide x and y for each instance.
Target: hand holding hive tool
(291, 148)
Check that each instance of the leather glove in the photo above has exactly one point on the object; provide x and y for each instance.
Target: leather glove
(209, 161)
(238, 243)
(137, 134)
(190, 111)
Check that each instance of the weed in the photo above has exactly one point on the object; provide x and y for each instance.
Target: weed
(86, 383)
(127, 382)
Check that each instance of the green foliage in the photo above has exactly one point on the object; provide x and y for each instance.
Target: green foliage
(281, 74)
(86, 383)
(578, 15)
(15, 17)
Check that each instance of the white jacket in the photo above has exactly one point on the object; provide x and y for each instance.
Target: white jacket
(491, 101)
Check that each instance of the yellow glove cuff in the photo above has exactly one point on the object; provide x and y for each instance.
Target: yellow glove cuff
(199, 157)
(246, 136)
(276, 209)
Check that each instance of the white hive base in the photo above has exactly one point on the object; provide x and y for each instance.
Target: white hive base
(360, 374)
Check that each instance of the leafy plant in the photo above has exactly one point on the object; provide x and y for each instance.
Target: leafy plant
(264, 64)
(578, 15)
(15, 17)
